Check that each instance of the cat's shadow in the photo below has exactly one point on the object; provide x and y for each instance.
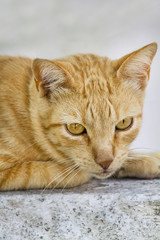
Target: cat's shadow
(97, 186)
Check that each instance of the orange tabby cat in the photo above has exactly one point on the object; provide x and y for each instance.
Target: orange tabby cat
(67, 120)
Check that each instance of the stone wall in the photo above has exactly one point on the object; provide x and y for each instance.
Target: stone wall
(125, 209)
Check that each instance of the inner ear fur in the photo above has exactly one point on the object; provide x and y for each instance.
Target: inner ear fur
(48, 76)
(135, 67)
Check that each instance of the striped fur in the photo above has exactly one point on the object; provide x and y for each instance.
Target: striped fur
(39, 97)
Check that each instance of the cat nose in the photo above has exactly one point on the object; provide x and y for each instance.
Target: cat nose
(105, 164)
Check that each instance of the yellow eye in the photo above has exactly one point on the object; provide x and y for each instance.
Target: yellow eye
(125, 124)
(76, 128)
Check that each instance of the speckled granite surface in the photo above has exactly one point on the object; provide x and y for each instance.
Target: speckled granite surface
(100, 210)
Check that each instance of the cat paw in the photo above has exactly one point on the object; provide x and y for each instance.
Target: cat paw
(141, 168)
(122, 172)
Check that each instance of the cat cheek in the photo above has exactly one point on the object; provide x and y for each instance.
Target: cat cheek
(123, 141)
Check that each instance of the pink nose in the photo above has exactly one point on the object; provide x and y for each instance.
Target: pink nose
(105, 164)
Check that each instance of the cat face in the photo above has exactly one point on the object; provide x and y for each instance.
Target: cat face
(91, 107)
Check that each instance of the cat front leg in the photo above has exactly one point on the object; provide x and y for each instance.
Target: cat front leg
(41, 174)
(141, 165)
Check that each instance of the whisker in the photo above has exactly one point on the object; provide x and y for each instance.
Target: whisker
(60, 161)
(26, 148)
(55, 164)
(136, 156)
(56, 177)
(70, 168)
(8, 139)
(78, 170)
(132, 149)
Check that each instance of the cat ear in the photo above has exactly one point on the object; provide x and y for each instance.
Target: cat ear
(48, 76)
(135, 67)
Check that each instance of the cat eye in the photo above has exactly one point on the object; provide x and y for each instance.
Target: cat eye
(76, 128)
(125, 124)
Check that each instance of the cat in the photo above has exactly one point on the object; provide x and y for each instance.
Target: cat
(65, 121)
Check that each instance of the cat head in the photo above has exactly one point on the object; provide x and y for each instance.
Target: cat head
(90, 107)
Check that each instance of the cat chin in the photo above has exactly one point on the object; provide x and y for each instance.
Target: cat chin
(103, 175)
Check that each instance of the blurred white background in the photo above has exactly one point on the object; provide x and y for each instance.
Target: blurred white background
(55, 28)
